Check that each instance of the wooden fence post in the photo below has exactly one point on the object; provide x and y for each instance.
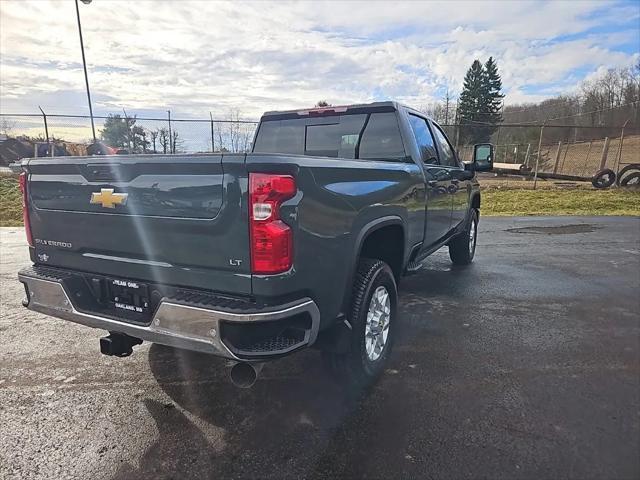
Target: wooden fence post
(526, 155)
(555, 165)
(564, 157)
(605, 151)
(535, 175)
(618, 158)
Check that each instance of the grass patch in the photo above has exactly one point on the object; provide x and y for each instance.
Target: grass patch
(616, 201)
(10, 201)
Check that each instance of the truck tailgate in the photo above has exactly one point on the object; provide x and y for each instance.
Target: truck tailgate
(178, 220)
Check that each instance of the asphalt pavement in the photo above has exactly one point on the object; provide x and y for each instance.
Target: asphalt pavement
(524, 365)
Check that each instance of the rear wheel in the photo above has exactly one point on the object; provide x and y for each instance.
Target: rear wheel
(462, 247)
(372, 319)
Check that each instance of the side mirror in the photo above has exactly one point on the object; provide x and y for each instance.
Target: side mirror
(483, 157)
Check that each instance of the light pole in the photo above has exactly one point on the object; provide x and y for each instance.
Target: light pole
(84, 65)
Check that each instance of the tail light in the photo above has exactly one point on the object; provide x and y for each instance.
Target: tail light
(271, 238)
(25, 208)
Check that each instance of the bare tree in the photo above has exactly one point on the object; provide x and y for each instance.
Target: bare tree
(218, 134)
(234, 130)
(6, 126)
(232, 135)
(245, 138)
(154, 137)
(176, 141)
(163, 138)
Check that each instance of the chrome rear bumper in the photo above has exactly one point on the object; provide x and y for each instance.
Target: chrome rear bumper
(174, 324)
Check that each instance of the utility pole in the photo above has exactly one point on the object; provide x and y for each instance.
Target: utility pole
(170, 141)
(446, 108)
(457, 122)
(213, 145)
(84, 65)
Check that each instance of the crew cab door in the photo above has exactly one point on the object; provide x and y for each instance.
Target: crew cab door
(460, 184)
(438, 179)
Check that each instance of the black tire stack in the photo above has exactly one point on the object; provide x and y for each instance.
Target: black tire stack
(603, 178)
(629, 175)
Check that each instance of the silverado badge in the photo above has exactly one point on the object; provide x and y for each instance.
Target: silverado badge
(108, 199)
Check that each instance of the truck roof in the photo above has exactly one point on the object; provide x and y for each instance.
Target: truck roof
(382, 106)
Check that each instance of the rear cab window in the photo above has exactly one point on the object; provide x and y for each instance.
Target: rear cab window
(358, 135)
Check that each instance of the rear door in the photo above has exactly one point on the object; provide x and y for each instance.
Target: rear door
(178, 220)
(460, 187)
(438, 180)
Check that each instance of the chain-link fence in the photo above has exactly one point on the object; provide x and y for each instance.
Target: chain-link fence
(568, 150)
(20, 135)
(563, 150)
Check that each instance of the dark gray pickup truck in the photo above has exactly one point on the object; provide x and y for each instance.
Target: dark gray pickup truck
(253, 256)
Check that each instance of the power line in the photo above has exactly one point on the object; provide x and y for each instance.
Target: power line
(593, 111)
(52, 115)
(478, 122)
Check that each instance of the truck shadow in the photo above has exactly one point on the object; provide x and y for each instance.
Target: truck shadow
(213, 429)
(296, 421)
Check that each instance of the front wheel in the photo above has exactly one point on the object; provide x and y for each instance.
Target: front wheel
(462, 247)
(372, 318)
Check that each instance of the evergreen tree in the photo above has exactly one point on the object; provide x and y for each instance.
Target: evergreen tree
(493, 87)
(480, 102)
(122, 132)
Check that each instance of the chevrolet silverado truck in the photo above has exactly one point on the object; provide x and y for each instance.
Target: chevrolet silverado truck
(253, 256)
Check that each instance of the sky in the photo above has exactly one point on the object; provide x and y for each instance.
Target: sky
(201, 57)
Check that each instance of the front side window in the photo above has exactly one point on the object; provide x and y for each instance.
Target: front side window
(424, 139)
(448, 156)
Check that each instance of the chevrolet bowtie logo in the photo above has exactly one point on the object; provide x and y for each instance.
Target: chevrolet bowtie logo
(108, 199)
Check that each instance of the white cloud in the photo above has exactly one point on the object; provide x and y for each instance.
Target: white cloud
(196, 57)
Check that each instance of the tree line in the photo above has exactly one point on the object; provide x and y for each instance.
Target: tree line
(606, 102)
(125, 133)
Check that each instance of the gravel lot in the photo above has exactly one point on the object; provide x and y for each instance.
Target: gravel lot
(524, 365)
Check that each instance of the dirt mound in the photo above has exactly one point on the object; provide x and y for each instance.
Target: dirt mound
(13, 149)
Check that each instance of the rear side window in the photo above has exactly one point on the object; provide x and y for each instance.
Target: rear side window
(381, 138)
(336, 139)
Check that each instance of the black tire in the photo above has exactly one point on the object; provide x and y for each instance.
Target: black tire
(462, 248)
(623, 172)
(631, 180)
(355, 367)
(603, 178)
